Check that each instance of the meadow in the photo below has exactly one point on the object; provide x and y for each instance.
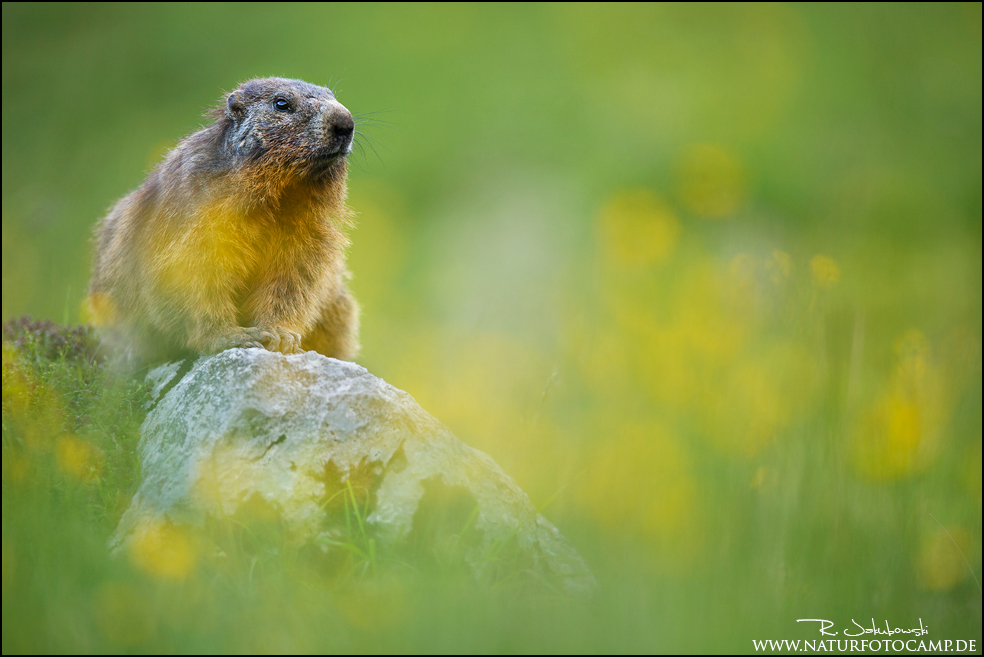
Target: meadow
(704, 280)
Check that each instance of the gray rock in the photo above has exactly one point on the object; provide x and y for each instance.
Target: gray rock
(296, 431)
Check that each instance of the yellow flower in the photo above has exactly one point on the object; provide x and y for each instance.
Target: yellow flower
(162, 549)
(826, 273)
(900, 433)
(78, 458)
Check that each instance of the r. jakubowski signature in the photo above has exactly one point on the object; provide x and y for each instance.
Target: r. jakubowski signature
(861, 630)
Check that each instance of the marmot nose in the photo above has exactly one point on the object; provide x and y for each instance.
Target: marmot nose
(342, 125)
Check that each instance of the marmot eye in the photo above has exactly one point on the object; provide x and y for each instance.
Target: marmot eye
(281, 105)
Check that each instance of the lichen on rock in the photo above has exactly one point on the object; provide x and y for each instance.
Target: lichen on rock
(300, 433)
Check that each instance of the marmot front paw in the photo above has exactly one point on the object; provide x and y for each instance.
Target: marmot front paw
(242, 337)
(282, 340)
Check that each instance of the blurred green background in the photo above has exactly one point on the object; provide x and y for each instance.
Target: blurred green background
(707, 277)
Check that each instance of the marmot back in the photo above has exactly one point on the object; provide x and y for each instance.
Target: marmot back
(236, 239)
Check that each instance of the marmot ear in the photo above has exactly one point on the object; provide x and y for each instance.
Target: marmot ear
(234, 105)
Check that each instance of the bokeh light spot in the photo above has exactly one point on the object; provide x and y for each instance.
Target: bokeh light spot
(711, 181)
(122, 614)
(641, 482)
(379, 246)
(972, 471)
(639, 228)
(779, 267)
(940, 564)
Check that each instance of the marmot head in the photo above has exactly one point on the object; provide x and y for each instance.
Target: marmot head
(288, 127)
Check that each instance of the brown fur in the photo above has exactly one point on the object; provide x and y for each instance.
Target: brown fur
(236, 239)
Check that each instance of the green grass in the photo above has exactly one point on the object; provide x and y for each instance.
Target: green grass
(70, 428)
(251, 586)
